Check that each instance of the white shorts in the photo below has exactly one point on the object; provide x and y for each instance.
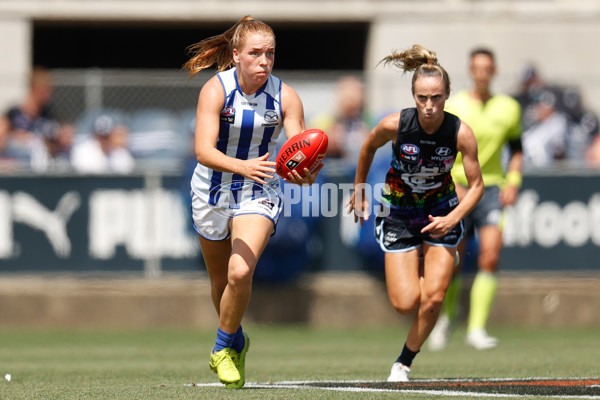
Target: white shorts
(212, 222)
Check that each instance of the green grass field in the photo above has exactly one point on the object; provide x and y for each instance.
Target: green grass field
(160, 364)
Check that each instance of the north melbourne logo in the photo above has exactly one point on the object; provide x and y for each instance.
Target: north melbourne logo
(271, 118)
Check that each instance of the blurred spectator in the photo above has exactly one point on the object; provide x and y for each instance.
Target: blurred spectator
(155, 140)
(546, 140)
(7, 163)
(189, 134)
(592, 155)
(556, 124)
(51, 151)
(121, 159)
(584, 138)
(349, 125)
(105, 150)
(27, 118)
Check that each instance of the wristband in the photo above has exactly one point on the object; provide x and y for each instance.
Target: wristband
(514, 178)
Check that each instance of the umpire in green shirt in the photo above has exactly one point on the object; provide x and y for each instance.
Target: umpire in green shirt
(496, 121)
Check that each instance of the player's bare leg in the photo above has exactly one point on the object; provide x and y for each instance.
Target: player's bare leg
(230, 264)
(410, 287)
(216, 257)
(249, 236)
(215, 254)
(437, 272)
(402, 280)
(404, 290)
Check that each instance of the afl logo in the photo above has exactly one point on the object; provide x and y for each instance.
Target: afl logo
(228, 115)
(410, 149)
(443, 151)
(227, 111)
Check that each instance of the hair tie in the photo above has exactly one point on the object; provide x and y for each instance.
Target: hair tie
(430, 62)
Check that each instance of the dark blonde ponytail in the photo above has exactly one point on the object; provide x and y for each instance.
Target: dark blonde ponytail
(424, 62)
(219, 49)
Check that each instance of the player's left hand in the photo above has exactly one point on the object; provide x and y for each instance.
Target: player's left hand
(308, 178)
(438, 226)
(358, 205)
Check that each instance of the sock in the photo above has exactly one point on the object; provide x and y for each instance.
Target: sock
(452, 300)
(224, 340)
(407, 356)
(238, 340)
(483, 293)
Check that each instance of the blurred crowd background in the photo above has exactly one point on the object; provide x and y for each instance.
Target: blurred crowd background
(96, 88)
(122, 122)
(151, 125)
(68, 68)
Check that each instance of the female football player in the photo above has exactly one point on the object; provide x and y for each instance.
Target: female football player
(421, 212)
(496, 122)
(236, 198)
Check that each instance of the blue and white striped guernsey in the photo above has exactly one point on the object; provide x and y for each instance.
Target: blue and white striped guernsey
(250, 126)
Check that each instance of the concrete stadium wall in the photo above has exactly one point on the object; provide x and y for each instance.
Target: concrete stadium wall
(15, 39)
(334, 299)
(559, 36)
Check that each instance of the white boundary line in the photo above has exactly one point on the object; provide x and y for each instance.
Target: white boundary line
(446, 393)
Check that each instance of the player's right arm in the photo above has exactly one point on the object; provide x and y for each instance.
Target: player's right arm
(293, 111)
(385, 131)
(210, 104)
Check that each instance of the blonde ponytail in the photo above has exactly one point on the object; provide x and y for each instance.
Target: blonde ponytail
(411, 59)
(421, 60)
(219, 49)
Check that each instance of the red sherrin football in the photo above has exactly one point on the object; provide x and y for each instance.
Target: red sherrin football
(304, 150)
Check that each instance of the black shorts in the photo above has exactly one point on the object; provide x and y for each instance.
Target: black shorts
(487, 212)
(394, 234)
